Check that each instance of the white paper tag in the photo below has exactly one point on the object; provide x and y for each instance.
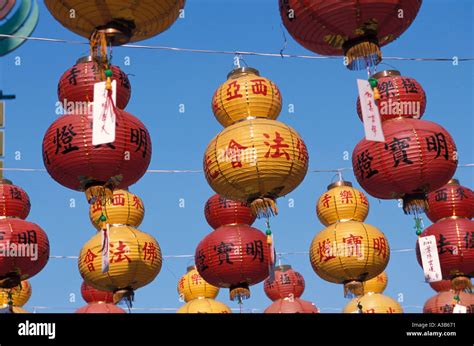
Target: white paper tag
(105, 249)
(459, 309)
(370, 112)
(430, 258)
(103, 124)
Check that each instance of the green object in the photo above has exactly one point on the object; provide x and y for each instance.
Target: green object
(268, 232)
(102, 218)
(373, 82)
(418, 232)
(456, 297)
(108, 73)
(418, 225)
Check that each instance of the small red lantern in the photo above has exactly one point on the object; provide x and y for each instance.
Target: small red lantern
(400, 96)
(100, 308)
(25, 251)
(441, 286)
(452, 199)
(220, 211)
(14, 201)
(444, 302)
(77, 84)
(93, 295)
(235, 257)
(417, 157)
(291, 306)
(287, 283)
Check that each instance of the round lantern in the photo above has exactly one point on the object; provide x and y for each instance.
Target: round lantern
(192, 286)
(204, 306)
(443, 302)
(373, 303)
(124, 208)
(76, 85)
(134, 261)
(14, 201)
(452, 199)
(348, 253)
(417, 157)
(234, 257)
(376, 284)
(353, 28)
(100, 308)
(220, 211)
(291, 306)
(455, 242)
(25, 251)
(287, 283)
(256, 161)
(16, 296)
(246, 95)
(441, 286)
(92, 295)
(123, 21)
(72, 160)
(342, 202)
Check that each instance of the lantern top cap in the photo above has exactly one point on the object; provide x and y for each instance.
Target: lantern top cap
(6, 182)
(339, 183)
(189, 268)
(84, 59)
(242, 70)
(454, 182)
(386, 73)
(283, 267)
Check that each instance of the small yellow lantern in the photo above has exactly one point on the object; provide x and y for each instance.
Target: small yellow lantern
(376, 284)
(124, 208)
(17, 296)
(246, 95)
(375, 303)
(203, 306)
(342, 202)
(134, 260)
(348, 253)
(192, 286)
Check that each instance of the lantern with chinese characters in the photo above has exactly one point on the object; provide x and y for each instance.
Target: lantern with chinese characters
(373, 303)
(400, 96)
(220, 211)
(92, 295)
(342, 202)
(134, 260)
(417, 157)
(234, 257)
(122, 21)
(204, 306)
(16, 296)
(453, 199)
(72, 160)
(192, 286)
(291, 306)
(76, 85)
(445, 302)
(125, 208)
(100, 308)
(349, 253)
(441, 286)
(14, 201)
(353, 28)
(376, 284)
(286, 283)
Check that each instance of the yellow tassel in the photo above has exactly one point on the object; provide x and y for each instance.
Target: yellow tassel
(264, 207)
(353, 288)
(269, 240)
(126, 294)
(101, 193)
(108, 84)
(461, 283)
(415, 203)
(362, 54)
(239, 292)
(376, 94)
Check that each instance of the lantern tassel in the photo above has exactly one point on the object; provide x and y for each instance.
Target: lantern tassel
(461, 283)
(11, 280)
(102, 193)
(125, 294)
(239, 292)
(415, 203)
(264, 207)
(362, 52)
(353, 289)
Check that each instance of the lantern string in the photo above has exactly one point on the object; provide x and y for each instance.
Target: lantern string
(210, 51)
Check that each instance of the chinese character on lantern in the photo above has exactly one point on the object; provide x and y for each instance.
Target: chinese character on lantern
(278, 147)
(150, 252)
(64, 138)
(120, 254)
(398, 148)
(233, 91)
(89, 259)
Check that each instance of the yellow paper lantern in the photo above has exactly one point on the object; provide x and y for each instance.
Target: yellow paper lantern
(18, 310)
(123, 20)
(376, 284)
(19, 295)
(246, 95)
(134, 261)
(348, 253)
(342, 202)
(256, 161)
(204, 306)
(374, 303)
(191, 286)
(124, 208)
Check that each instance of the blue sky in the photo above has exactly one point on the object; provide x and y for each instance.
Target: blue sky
(323, 93)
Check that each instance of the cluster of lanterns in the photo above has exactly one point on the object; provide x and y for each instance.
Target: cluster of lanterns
(446, 299)
(98, 302)
(13, 299)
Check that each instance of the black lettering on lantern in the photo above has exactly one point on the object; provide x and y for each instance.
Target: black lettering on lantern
(223, 202)
(124, 80)
(28, 237)
(285, 279)
(200, 261)
(437, 143)
(441, 195)
(385, 88)
(398, 148)
(63, 139)
(364, 165)
(469, 239)
(443, 245)
(459, 193)
(223, 250)
(16, 194)
(71, 77)
(255, 249)
(409, 86)
(110, 145)
(139, 137)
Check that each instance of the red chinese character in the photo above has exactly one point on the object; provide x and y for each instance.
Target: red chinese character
(370, 311)
(208, 162)
(150, 252)
(369, 104)
(277, 91)
(368, 94)
(215, 105)
(259, 86)
(137, 203)
(118, 199)
(122, 250)
(277, 146)
(233, 152)
(325, 200)
(196, 279)
(181, 283)
(97, 206)
(302, 151)
(354, 243)
(390, 310)
(324, 250)
(346, 197)
(380, 278)
(89, 259)
(233, 91)
(374, 129)
(363, 199)
(380, 245)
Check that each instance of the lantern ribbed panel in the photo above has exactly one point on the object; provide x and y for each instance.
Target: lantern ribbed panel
(374, 303)
(100, 308)
(291, 306)
(14, 201)
(441, 286)
(450, 200)
(443, 303)
(220, 211)
(193, 286)
(286, 283)
(92, 295)
(19, 295)
(204, 305)
(18, 310)
(376, 284)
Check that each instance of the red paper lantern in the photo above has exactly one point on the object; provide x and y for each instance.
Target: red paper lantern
(72, 160)
(235, 257)
(220, 211)
(291, 306)
(287, 283)
(417, 157)
(400, 96)
(452, 199)
(100, 308)
(14, 201)
(25, 251)
(441, 286)
(353, 28)
(443, 303)
(93, 295)
(76, 85)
